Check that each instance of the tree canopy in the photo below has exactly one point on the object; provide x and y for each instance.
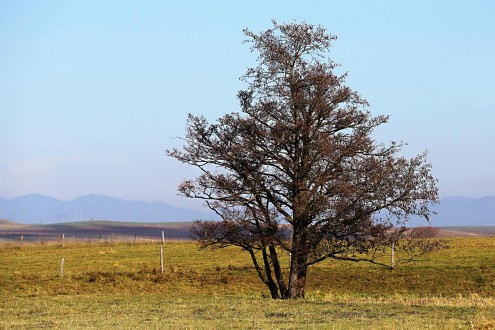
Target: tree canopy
(297, 170)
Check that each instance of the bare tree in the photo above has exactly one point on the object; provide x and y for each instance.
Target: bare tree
(297, 171)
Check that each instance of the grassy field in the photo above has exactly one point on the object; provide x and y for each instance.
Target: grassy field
(119, 285)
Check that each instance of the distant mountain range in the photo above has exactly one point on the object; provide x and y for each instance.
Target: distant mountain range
(36, 208)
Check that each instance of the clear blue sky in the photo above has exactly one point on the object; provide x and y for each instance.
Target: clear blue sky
(93, 92)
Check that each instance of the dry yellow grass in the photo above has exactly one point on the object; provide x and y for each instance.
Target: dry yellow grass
(119, 285)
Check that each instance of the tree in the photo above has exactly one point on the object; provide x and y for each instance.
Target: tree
(297, 172)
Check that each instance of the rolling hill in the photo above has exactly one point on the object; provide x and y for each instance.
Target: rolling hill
(36, 208)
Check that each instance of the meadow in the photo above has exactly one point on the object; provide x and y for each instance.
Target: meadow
(120, 285)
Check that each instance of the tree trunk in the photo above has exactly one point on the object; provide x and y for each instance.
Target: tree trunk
(278, 273)
(265, 274)
(272, 286)
(297, 280)
(260, 273)
(298, 267)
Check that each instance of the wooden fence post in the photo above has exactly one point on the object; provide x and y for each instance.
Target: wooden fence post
(62, 238)
(393, 255)
(22, 239)
(161, 258)
(163, 237)
(62, 267)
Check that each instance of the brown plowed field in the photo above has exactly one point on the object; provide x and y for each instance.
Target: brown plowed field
(96, 230)
(10, 231)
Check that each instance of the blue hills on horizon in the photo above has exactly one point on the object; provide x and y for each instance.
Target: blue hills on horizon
(37, 208)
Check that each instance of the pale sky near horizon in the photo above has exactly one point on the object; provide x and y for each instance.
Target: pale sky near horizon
(93, 92)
